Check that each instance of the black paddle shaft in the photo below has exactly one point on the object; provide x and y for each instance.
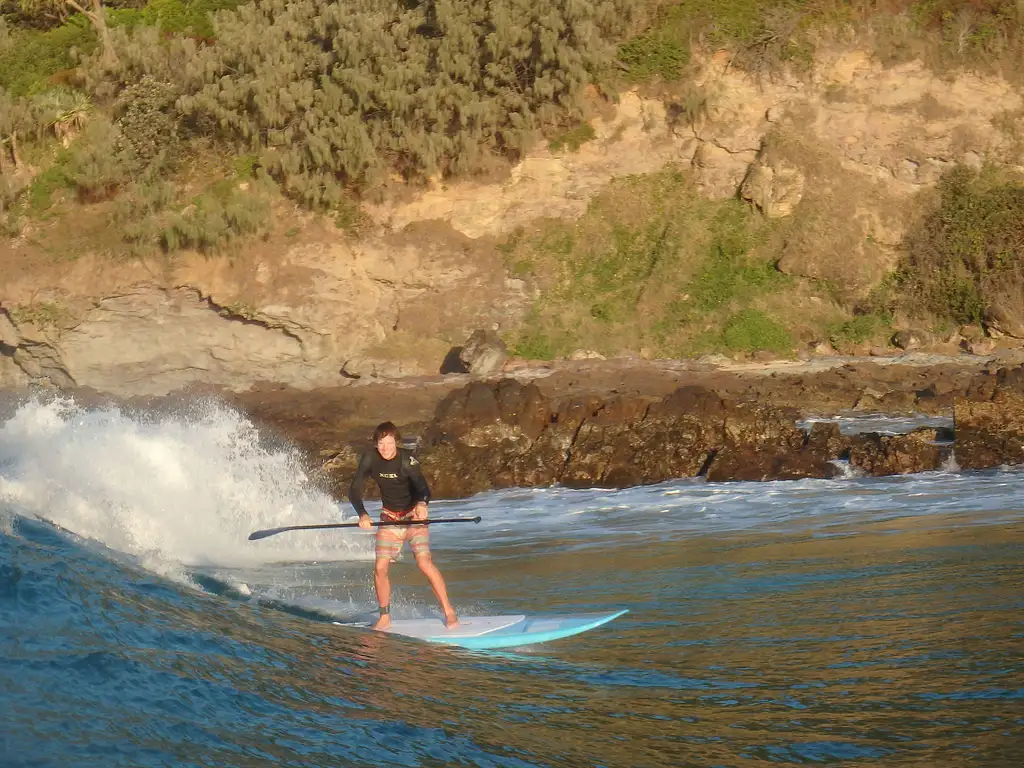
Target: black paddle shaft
(274, 531)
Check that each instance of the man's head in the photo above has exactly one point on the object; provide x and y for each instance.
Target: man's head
(386, 438)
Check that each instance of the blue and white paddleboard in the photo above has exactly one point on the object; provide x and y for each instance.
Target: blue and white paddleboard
(487, 632)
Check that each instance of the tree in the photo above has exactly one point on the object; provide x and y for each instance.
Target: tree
(58, 10)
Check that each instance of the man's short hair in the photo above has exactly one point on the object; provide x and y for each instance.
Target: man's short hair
(384, 429)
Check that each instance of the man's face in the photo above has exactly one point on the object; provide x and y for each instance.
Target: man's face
(386, 447)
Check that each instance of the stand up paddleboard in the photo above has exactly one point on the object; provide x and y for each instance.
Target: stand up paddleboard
(488, 632)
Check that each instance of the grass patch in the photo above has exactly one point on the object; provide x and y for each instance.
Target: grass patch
(751, 330)
(573, 139)
(537, 345)
(40, 194)
(859, 328)
(727, 273)
(831, 236)
(42, 314)
(652, 264)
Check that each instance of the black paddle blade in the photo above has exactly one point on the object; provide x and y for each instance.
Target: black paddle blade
(263, 534)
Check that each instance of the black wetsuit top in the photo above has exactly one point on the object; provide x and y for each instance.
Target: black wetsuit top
(401, 482)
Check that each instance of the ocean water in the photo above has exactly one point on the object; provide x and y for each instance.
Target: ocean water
(853, 621)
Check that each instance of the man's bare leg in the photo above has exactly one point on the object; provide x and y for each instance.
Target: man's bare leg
(383, 585)
(433, 575)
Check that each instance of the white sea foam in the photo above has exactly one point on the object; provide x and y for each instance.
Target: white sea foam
(184, 487)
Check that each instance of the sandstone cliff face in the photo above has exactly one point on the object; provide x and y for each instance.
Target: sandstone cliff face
(301, 317)
(856, 141)
(843, 151)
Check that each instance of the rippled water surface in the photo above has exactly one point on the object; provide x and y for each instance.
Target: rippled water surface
(846, 622)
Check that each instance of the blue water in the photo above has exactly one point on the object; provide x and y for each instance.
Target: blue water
(845, 622)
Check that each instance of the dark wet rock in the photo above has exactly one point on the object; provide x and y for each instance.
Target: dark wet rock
(615, 423)
(939, 395)
(484, 413)
(989, 421)
(880, 455)
(634, 441)
(509, 433)
(827, 441)
(759, 464)
(775, 449)
(456, 470)
(763, 426)
(494, 435)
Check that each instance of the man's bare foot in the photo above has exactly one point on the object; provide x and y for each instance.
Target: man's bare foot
(451, 620)
(382, 623)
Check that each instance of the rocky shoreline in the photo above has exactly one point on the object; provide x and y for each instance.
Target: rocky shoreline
(619, 423)
(625, 422)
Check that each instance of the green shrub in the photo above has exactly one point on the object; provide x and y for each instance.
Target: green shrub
(662, 52)
(138, 210)
(246, 166)
(142, 52)
(350, 217)
(212, 222)
(148, 122)
(98, 163)
(968, 252)
(10, 191)
(60, 112)
(173, 16)
(32, 57)
(967, 30)
(369, 88)
(153, 220)
(763, 34)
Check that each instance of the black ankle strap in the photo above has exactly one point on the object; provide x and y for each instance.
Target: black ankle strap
(385, 610)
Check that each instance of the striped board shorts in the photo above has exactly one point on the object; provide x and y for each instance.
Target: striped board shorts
(391, 538)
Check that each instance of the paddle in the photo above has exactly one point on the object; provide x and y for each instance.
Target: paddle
(274, 531)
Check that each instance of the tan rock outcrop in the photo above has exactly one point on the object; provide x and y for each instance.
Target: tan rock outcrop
(297, 316)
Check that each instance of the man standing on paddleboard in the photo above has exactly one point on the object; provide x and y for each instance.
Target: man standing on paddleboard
(404, 494)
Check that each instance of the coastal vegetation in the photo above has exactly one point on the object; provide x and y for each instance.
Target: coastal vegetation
(966, 255)
(652, 265)
(140, 129)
